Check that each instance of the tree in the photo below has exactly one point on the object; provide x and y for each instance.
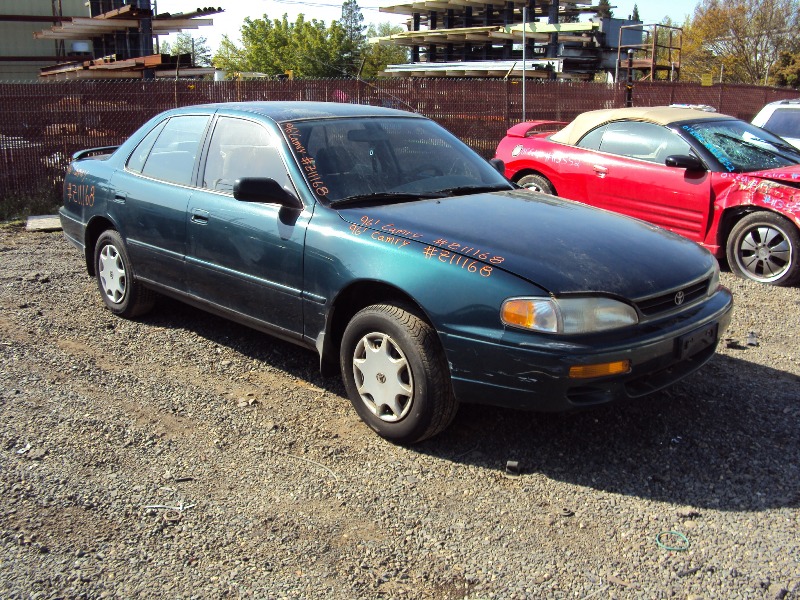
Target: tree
(635, 13)
(787, 71)
(604, 9)
(377, 56)
(230, 57)
(272, 47)
(354, 43)
(743, 38)
(186, 44)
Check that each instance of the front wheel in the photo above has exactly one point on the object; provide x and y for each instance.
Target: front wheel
(396, 375)
(764, 247)
(122, 294)
(537, 183)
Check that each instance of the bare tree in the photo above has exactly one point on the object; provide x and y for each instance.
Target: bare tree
(742, 38)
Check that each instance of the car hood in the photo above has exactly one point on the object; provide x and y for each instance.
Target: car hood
(560, 245)
(787, 175)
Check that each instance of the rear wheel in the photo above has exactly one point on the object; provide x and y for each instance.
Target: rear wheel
(537, 183)
(765, 247)
(396, 374)
(122, 294)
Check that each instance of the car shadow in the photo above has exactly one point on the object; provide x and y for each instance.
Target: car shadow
(717, 439)
(255, 345)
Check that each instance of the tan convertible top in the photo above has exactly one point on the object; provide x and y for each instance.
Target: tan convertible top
(661, 115)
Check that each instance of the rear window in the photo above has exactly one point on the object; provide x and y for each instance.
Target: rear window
(169, 151)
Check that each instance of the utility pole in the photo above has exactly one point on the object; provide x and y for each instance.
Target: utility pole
(524, 55)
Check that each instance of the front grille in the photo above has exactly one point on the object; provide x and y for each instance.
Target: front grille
(656, 380)
(665, 303)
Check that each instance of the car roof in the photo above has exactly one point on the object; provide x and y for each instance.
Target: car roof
(793, 101)
(297, 110)
(661, 115)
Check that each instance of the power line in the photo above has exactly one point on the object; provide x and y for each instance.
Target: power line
(323, 4)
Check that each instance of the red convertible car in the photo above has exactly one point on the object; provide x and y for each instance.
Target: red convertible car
(717, 180)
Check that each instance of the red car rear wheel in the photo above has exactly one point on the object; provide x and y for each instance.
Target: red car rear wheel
(537, 183)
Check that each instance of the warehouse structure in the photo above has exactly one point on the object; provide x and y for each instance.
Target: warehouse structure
(561, 40)
(94, 39)
(21, 55)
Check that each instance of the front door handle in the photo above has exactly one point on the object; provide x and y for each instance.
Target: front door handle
(600, 170)
(199, 216)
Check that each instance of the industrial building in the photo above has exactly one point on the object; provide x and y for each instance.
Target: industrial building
(94, 39)
(561, 40)
(21, 55)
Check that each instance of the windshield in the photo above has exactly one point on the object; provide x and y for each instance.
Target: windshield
(741, 147)
(784, 122)
(386, 159)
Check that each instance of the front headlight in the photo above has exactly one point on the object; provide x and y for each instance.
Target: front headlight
(713, 284)
(567, 315)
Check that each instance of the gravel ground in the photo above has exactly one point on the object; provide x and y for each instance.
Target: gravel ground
(274, 488)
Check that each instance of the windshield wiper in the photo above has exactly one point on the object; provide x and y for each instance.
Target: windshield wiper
(386, 197)
(474, 189)
(404, 196)
(786, 146)
(758, 148)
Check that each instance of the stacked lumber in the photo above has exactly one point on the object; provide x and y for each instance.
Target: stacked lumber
(109, 67)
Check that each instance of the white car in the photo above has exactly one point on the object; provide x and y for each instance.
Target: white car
(781, 118)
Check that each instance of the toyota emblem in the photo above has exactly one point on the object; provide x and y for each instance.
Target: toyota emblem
(679, 298)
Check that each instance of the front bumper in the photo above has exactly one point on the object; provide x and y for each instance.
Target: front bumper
(531, 371)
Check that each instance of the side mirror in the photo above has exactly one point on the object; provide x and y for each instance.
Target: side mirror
(499, 165)
(685, 161)
(264, 189)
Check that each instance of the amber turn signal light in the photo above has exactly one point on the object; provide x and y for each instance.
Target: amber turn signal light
(619, 367)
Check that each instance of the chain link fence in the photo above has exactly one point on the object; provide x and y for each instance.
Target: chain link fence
(42, 124)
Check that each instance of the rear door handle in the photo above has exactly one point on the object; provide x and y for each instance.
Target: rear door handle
(199, 216)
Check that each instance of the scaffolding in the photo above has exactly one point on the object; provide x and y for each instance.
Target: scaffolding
(656, 55)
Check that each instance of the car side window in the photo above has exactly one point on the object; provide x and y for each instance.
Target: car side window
(643, 141)
(591, 141)
(139, 156)
(241, 148)
(174, 150)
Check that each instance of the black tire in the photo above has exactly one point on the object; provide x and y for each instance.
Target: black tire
(537, 183)
(765, 247)
(122, 294)
(418, 400)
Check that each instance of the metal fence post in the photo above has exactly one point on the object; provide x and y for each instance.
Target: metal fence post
(629, 80)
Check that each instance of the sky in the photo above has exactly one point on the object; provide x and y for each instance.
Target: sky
(231, 20)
